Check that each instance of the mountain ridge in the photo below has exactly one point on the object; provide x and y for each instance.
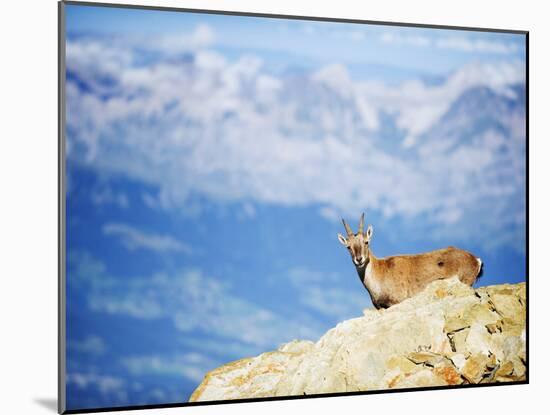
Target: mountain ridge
(449, 334)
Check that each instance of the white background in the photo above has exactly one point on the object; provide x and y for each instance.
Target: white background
(28, 212)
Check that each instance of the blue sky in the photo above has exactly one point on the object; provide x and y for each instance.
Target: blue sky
(211, 158)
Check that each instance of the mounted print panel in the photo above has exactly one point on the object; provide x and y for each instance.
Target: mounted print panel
(259, 206)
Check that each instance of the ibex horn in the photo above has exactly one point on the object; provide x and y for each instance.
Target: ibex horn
(361, 222)
(348, 229)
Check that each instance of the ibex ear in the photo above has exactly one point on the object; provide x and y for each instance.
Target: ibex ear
(368, 233)
(343, 240)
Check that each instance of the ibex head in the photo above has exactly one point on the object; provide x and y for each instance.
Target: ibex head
(357, 244)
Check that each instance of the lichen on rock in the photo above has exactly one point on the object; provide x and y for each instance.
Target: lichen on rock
(449, 334)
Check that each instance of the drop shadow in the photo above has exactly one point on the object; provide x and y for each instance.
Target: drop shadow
(48, 403)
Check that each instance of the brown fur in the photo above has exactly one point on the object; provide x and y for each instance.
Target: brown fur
(403, 276)
(393, 279)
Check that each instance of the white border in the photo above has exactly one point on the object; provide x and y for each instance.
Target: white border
(28, 228)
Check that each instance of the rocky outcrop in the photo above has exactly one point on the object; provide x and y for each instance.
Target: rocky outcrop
(449, 334)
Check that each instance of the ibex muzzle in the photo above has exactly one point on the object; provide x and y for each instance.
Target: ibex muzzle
(393, 279)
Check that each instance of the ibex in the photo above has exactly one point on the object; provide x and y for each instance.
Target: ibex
(393, 279)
